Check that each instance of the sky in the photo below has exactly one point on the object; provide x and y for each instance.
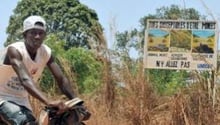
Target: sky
(122, 14)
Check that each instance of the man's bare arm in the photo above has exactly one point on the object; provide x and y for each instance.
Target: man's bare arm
(61, 79)
(15, 60)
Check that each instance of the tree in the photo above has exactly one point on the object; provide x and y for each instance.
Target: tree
(80, 66)
(70, 20)
(135, 38)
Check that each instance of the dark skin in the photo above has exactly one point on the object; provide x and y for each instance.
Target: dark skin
(33, 40)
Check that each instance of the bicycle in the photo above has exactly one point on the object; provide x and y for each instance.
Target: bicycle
(76, 115)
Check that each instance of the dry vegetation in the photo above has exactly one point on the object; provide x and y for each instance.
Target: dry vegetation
(138, 104)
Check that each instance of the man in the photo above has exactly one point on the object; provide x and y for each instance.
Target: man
(23, 65)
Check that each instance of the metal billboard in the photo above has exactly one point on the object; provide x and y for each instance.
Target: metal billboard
(181, 44)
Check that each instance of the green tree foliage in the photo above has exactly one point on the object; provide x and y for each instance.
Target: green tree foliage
(167, 82)
(88, 70)
(175, 12)
(70, 20)
(79, 64)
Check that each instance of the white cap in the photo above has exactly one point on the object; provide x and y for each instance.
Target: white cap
(30, 23)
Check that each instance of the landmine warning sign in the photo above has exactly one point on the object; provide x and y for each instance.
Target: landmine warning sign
(181, 44)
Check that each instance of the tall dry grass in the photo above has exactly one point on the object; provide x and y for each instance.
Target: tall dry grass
(137, 103)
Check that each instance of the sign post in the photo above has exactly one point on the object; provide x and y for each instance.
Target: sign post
(182, 45)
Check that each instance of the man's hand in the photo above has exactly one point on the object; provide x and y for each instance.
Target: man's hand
(59, 106)
(74, 104)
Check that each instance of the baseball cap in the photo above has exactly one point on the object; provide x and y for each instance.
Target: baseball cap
(31, 21)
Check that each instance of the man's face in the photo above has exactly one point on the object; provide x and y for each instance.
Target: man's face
(34, 38)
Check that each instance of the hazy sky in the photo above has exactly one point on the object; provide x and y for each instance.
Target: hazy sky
(125, 13)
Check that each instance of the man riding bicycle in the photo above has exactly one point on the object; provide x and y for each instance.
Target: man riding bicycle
(22, 67)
